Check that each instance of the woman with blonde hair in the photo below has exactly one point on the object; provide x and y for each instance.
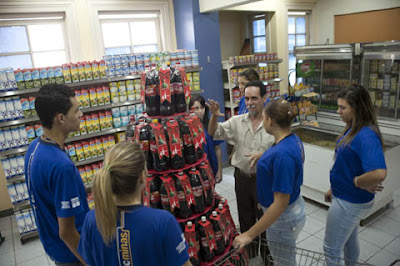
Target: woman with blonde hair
(121, 231)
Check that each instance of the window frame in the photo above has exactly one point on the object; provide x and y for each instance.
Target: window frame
(255, 17)
(307, 16)
(157, 23)
(26, 23)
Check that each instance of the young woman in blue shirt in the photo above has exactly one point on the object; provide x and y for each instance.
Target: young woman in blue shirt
(212, 147)
(356, 175)
(279, 178)
(121, 231)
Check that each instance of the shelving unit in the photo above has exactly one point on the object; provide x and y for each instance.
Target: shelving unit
(229, 85)
(25, 204)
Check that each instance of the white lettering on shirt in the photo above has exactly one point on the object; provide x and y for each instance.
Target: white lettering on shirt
(75, 202)
(65, 205)
(182, 245)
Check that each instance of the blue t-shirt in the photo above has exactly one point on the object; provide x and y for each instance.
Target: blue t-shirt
(209, 148)
(242, 106)
(55, 190)
(147, 237)
(363, 154)
(280, 169)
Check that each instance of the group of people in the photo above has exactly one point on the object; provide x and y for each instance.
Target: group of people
(268, 161)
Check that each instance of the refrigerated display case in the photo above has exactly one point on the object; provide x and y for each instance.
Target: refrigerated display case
(327, 69)
(380, 75)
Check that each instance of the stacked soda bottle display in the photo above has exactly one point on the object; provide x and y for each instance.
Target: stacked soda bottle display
(180, 179)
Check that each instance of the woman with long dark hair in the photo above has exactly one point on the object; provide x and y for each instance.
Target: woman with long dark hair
(121, 231)
(356, 175)
(212, 147)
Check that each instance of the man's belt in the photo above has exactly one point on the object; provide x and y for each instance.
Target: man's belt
(244, 174)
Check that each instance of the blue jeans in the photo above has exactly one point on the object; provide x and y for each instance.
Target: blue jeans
(282, 235)
(341, 233)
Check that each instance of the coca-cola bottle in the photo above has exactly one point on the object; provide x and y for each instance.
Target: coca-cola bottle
(197, 188)
(144, 137)
(184, 209)
(155, 199)
(200, 136)
(192, 239)
(208, 191)
(175, 144)
(130, 129)
(166, 106)
(188, 146)
(219, 239)
(227, 226)
(152, 96)
(177, 89)
(169, 199)
(158, 146)
(207, 239)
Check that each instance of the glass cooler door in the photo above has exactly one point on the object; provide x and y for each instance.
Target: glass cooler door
(381, 77)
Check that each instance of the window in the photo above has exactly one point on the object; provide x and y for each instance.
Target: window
(259, 41)
(130, 33)
(298, 30)
(32, 41)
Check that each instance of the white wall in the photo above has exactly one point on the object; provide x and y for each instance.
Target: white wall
(232, 33)
(327, 9)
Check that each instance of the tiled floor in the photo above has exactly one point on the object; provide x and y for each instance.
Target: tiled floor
(379, 240)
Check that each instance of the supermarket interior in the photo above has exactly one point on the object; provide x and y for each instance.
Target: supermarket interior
(134, 67)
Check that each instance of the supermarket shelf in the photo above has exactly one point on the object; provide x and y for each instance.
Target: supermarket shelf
(228, 104)
(21, 204)
(99, 81)
(226, 65)
(18, 92)
(108, 106)
(83, 83)
(14, 151)
(194, 69)
(196, 92)
(19, 121)
(89, 161)
(88, 185)
(28, 235)
(96, 134)
(16, 178)
(266, 82)
(272, 80)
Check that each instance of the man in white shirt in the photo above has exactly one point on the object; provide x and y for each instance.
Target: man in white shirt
(250, 140)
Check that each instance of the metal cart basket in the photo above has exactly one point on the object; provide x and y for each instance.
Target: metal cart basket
(284, 255)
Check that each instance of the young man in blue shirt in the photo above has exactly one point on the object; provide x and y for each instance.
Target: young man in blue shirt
(56, 190)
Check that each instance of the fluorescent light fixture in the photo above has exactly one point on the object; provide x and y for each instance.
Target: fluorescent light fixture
(28, 18)
(259, 16)
(128, 16)
(297, 13)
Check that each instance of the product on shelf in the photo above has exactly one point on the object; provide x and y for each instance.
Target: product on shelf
(25, 221)
(7, 79)
(159, 146)
(215, 220)
(185, 195)
(133, 64)
(252, 58)
(175, 144)
(18, 191)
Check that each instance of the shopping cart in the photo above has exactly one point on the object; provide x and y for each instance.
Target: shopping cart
(283, 255)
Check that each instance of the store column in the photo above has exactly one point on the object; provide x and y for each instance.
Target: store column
(195, 30)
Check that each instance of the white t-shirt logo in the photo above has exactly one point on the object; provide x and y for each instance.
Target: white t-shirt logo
(65, 205)
(75, 202)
